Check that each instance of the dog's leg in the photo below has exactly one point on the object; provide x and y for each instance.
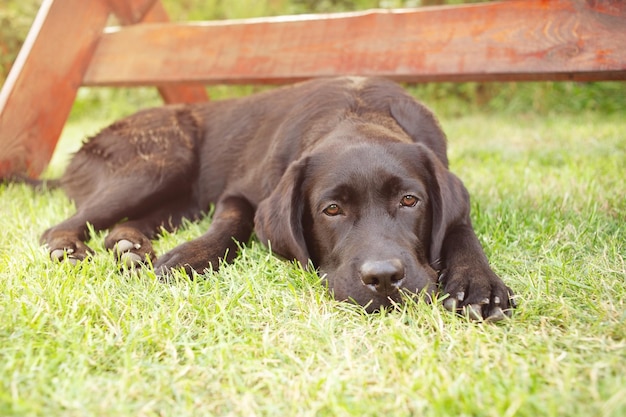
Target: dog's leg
(232, 223)
(113, 201)
(468, 279)
(130, 241)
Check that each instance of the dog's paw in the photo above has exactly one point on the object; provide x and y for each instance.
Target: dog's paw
(130, 247)
(478, 293)
(65, 245)
(190, 256)
(72, 252)
(130, 254)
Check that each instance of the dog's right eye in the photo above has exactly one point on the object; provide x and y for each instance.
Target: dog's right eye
(409, 201)
(333, 210)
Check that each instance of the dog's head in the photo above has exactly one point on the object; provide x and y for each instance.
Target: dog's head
(371, 218)
(370, 209)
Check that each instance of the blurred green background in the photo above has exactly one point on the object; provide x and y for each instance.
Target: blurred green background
(449, 99)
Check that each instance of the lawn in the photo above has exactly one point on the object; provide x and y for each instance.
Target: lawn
(262, 337)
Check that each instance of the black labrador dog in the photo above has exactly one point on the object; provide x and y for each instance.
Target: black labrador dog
(348, 174)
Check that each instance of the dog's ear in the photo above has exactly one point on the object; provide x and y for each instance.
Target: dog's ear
(450, 205)
(419, 123)
(278, 219)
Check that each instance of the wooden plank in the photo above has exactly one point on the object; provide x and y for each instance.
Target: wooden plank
(495, 41)
(40, 89)
(150, 11)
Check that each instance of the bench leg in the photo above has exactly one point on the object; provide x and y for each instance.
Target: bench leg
(38, 94)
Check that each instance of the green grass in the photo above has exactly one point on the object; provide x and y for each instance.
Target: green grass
(262, 337)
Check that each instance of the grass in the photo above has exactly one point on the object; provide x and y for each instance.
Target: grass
(261, 337)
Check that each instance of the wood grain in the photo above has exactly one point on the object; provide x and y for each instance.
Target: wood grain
(495, 41)
(150, 11)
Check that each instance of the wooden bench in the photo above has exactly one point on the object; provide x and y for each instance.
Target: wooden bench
(70, 46)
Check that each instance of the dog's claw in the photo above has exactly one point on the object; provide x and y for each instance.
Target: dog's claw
(497, 314)
(130, 259)
(66, 254)
(453, 303)
(124, 245)
(124, 251)
(57, 254)
(473, 311)
(450, 304)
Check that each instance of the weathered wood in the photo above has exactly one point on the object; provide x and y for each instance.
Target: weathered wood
(514, 40)
(40, 89)
(150, 11)
(495, 41)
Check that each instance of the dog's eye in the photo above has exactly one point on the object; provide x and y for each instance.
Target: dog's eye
(332, 210)
(409, 201)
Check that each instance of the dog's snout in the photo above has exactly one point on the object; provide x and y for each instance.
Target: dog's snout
(383, 277)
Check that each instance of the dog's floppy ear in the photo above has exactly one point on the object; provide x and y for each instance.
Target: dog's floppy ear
(419, 123)
(278, 218)
(450, 205)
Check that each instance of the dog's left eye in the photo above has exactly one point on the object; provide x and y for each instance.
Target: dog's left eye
(409, 201)
(333, 210)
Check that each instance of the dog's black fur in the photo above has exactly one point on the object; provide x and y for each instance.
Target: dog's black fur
(350, 174)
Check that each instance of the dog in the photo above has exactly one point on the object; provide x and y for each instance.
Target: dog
(345, 175)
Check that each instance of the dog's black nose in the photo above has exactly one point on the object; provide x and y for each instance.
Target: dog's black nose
(383, 277)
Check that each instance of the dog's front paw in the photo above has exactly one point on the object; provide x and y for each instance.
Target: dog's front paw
(130, 247)
(477, 292)
(130, 254)
(190, 256)
(65, 246)
(72, 252)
